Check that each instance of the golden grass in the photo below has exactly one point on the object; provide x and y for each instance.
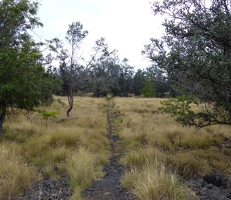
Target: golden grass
(156, 148)
(15, 175)
(150, 179)
(78, 147)
(150, 137)
(152, 183)
(83, 167)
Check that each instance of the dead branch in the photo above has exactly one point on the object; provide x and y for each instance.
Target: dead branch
(63, 119)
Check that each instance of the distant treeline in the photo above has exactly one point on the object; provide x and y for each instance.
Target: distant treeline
(109, 76)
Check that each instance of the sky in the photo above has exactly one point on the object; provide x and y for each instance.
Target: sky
(127, 25)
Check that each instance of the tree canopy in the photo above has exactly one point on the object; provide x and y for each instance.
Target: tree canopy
(148, 89)
(195, 52)
(24, 83)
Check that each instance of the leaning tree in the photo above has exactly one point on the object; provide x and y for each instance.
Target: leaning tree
(24, 84)
(195, 51)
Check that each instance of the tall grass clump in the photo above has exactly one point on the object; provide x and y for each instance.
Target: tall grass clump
(83, 167)
(156, 183)
(15, 174)
(150, 179)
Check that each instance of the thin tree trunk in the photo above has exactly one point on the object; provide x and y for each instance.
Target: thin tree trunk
(70, 101)
(2, 115)
(71, 87)
(1, 128)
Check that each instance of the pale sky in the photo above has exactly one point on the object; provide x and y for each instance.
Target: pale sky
(126, 24)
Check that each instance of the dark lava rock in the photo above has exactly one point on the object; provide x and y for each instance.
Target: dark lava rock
(48, 189)
(212, 187)
(218, 180)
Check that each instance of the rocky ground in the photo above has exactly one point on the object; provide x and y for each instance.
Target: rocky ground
(212, 187)
(215, 186)
(47, 189)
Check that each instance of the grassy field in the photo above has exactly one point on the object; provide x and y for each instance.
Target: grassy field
(157, 150)
(77, 147)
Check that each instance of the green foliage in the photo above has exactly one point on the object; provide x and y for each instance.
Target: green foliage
(205, 115)
(159, 81)
(180, 108)
(138, 82)
(47, 114)
(148, 89)
(177, 106)
(104, 74)
(195, 52)
(125, 79)
(24, 82)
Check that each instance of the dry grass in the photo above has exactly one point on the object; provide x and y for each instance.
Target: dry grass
(152, 183)
(150, 179)
(15, 175)
(151, 137)
(83, 167)
(78, 147)
(156, 148)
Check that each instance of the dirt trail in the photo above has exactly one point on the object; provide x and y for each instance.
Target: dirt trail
(109, 187)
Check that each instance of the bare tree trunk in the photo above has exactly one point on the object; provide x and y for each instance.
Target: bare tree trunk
(70, 96)
(71, 86)
(70, 101)
(2, 115)
(1, 128)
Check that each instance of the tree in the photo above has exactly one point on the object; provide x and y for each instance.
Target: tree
(138, 82)
(148, 89)
(105, 74)
(160, 81)
(69, 57)
(24, 83)
(73, 69)
(196, 54)
(74, 36)
(57, 82)
(125, 78)
(45, 114)
(63, 74)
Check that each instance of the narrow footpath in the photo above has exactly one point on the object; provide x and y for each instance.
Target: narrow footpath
(109, 187)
